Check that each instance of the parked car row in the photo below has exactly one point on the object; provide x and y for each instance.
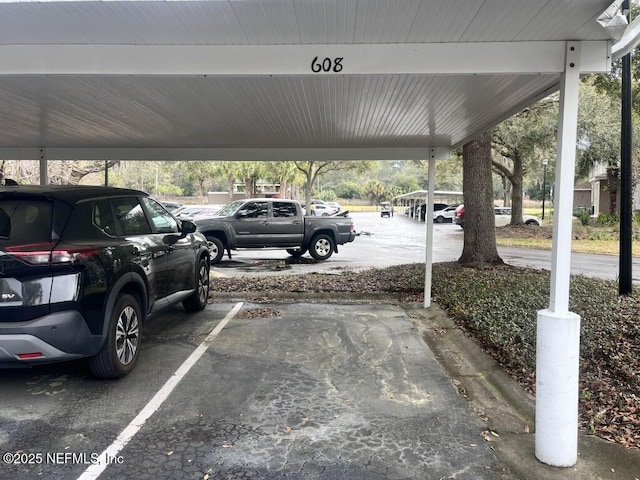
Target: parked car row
(442, 212)
(192, 211)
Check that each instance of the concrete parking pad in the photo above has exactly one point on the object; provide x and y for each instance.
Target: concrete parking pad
(303, 391)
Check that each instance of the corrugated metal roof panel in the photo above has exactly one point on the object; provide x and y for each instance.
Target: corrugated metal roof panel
(256, 22)
(256, 112)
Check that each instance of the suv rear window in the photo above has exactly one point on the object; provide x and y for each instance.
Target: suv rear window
(25, 221)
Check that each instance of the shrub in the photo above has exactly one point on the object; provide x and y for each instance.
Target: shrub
(584, 218)
(607, 219)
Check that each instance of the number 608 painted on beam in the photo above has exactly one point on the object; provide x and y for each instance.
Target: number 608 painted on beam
(326, 65)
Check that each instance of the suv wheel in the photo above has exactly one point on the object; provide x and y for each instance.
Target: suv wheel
(198, 299)
(119, 353)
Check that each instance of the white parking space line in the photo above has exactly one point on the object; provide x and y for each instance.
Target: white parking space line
(95, 470)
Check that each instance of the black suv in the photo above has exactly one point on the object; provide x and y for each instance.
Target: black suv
(82, 268)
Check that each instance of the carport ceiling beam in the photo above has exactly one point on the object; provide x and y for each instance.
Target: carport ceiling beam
(267, 154)
(480, 58)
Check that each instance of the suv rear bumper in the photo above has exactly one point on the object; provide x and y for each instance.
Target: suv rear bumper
(55, 337)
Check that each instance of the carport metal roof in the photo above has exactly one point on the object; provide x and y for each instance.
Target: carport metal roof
(422, 194)
(235, 79)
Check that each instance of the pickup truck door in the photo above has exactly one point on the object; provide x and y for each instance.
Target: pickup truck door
(287, 224)
(252, 225)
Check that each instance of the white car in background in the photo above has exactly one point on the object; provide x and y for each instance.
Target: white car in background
(502, 216)
(324, 209)
(444, 214)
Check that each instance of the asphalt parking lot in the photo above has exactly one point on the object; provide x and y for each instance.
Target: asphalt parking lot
(398, 240)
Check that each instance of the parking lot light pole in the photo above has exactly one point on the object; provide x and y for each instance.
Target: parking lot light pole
(544, 183)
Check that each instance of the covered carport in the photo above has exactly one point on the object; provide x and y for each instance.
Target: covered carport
(412, 200)
(309, 80)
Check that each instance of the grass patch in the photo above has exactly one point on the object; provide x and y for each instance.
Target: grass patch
(592, 238)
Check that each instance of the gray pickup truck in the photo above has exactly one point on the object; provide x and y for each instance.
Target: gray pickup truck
(274, 223)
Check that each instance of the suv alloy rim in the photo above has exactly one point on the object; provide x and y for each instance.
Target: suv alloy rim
(203, 282)
(127, 335)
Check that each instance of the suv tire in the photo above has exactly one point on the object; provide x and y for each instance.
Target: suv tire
(120, 351)
(198, 299)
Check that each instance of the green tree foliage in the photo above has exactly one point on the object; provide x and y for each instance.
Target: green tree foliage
(375, 191)
(449, 173)
(285, 174)
(406, 182)
(227, 172)
(525, 138)
(199, 172)
(311, 170)
(348, 190)
(599, 135)
(249, 172)
(609, 86)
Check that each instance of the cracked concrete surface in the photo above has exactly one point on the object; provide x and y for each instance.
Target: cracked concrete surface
(320, 391)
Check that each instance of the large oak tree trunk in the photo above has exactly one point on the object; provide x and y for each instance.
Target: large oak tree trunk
(477, 187)
(516, 194)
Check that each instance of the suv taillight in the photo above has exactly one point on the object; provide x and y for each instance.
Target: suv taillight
(45, 254)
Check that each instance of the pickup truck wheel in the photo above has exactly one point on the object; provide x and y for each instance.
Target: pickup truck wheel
(322, 247)
(120, 351)
(439, 219)
(216, 249)
(296, 252)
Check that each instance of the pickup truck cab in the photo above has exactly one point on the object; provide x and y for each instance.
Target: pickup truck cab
(274, 223)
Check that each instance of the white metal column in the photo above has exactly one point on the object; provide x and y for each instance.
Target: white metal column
(44, 177)
(428, 219)
(558, 329)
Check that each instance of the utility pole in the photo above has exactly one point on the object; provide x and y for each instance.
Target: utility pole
(544, 183)
(625, 285)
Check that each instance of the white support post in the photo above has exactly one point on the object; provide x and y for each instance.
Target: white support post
(44, 177)
(428, 220)
(558, 330)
